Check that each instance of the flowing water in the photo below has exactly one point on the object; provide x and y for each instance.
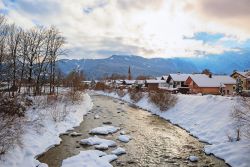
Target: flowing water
(155, 142)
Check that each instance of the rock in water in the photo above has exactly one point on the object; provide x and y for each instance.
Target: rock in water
(193, 158)
(102, 146)
(119, 151)
(124, 138)
(104, 130)
(96, 116)
(74, 134)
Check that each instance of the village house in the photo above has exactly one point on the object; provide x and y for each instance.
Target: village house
(244, 77)
(209, 84)
(154, 84)
(178, 82)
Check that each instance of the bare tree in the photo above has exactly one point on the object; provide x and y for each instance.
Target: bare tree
(35, 42)
(3, 34)
(56, 44)
(23, 58)
(14, 39)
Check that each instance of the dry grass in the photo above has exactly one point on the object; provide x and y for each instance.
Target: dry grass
(120, 93)
(135, 95)
(101, 86)
(163, 100)
(74, 96)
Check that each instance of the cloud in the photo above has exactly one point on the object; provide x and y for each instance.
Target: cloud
(230, 16)
(99, 28)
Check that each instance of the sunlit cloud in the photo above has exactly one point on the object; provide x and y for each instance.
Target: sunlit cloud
(159, 28)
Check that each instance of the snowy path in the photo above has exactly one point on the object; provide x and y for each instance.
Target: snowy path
(154, 141)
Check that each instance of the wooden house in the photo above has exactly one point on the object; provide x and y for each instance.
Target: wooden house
(244, 77)
(209, 84)
(153, 84)
(178, 81)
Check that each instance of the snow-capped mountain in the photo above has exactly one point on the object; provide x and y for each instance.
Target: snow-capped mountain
(96, 68)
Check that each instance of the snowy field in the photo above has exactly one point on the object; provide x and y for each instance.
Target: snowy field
(208, 118)
(42, 131)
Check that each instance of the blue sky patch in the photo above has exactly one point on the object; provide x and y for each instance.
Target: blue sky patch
(206, 37)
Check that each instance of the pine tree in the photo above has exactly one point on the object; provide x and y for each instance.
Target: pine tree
(238, 86)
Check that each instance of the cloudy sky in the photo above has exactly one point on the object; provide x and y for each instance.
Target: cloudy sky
(149, 28)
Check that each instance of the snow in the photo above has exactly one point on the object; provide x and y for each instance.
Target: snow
(193, 158)
(235, 153)
(119, 151)
(206, 117)
(90, 158)
(35, 140)
(124, 138)
(97, 141)
(109, 158)
(104, 130)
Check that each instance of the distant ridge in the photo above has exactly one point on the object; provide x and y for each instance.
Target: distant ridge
(96, 68)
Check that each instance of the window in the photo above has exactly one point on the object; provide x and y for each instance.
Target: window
(228, 92)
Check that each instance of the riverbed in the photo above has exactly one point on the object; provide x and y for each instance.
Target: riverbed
(155, 142)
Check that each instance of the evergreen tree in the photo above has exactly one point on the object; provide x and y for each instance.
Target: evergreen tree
(239, 87)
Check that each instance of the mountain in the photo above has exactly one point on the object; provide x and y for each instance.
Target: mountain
(96, 68)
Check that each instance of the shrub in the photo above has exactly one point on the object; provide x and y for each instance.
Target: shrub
(100, 86)
(73, 96)
(120, 93)
(241, 116)
(103, 87)
(163, 100)
(135, 95)
(58, 114)
(12, 112)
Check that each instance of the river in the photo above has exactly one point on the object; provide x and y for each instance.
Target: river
(155, 142)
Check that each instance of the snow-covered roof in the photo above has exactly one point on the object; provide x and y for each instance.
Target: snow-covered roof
(129, 81)
(118, 81)
(179, 77)
(165, 77)
(244, 74)
(139, 81)
(158, 78)
(86, 81)
(203, 80)
(155, 81)
(224, 79)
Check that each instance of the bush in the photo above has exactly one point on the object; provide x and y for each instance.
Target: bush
(12, 111)
(135, 95)
(120, 93)
(100, 86)
(58, 114)
(73, 96)
(241, 116)
(103, 87)
(163, 100)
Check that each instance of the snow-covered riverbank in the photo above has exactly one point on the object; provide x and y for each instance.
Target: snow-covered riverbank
(209, 119)
(43, 132)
